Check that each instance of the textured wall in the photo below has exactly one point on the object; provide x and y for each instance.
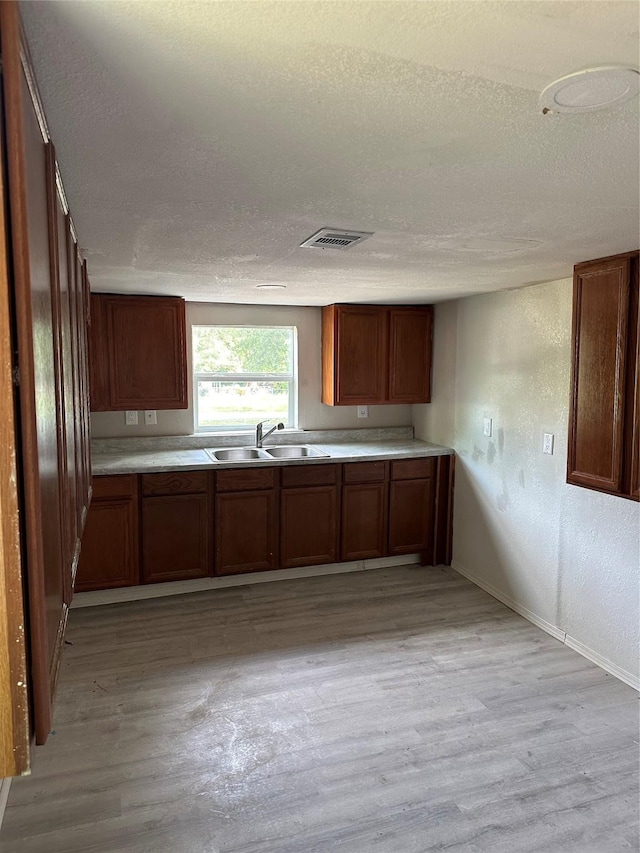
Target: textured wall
(567, 555)
(437, 419)
(312, 413)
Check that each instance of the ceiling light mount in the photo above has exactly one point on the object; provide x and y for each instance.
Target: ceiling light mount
(599, 88)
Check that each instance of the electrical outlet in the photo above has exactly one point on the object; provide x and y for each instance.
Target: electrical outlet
(131, 418)
(363, 411)
(150, 417)
(547, 444)
(488, 427)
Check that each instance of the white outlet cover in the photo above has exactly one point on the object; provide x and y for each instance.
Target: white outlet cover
(488, 427)
(363, 411)
(131, 418)
(150, 417)
(547, 444)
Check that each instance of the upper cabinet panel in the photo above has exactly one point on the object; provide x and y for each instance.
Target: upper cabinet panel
(604, 376)
(410, 354)
(376, 354)
(138, 353)
(355, 345)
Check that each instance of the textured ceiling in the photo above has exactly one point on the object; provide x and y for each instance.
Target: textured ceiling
(201, 142)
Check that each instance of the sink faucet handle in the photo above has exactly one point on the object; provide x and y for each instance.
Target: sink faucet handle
(260, 436)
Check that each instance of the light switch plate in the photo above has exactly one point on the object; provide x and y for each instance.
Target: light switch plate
(150, 417)
(547, 444)
(363, 411)
(488, 427)
(131, 418)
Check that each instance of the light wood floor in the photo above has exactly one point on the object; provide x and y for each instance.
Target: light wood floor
(388, 711)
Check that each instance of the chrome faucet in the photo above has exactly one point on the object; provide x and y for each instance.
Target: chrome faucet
(260, 437)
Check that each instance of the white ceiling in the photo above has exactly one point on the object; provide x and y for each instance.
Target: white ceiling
(201, 142)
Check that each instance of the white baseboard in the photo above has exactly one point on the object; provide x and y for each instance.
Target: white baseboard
(604, 663)
(159, 590)
(587, 652)
(510, 602)
(5, 787)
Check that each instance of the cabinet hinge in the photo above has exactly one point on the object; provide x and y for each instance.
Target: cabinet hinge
(16, 375)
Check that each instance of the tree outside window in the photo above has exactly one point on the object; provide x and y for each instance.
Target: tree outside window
(242, 375)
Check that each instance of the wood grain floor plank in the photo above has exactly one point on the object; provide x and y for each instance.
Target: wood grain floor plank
(401, 710)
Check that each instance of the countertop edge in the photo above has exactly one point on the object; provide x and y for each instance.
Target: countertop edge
(134, 464)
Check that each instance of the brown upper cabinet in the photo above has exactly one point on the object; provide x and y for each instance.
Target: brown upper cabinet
(138, 355)
(376, 354)
(604, 429)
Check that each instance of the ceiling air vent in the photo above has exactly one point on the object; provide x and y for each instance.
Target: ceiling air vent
(334, 238)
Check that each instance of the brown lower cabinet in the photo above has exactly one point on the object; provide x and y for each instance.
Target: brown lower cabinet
(364, 510)
(246, 520)
(175, 538)
(363, 521)
(246, 532)
(175, 526)
(197, 523)
(309, 515)
(411, 504)
(109, 556)
(409, 512)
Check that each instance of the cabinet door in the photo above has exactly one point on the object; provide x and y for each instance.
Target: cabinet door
(600, 345)
(80, 379)
(34, 283)
(355, 339)
(15, 716)
(147, 354)
(635, 441)
(246, 532)
(175, 538)
(364, 521)
(410, 516)
(83, 311)
(410, 355)
(98, 356)
(309, 526)
(634, 385)
(72, 531)
(109, 556)
(140, 343)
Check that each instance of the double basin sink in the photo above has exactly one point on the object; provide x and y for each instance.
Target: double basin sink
(266, 454)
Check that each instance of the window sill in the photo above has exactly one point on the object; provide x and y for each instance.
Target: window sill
(224, 433)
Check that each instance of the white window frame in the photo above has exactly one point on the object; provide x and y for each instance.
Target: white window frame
(291, 378)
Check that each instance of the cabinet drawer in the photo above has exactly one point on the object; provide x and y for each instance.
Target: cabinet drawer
(310, 475)
(120, 486)
(248, 479)
(175, 483)
(363, 472)
(413, 469)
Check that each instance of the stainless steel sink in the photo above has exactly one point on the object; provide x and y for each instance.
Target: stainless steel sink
(294, 451)
(256, 454)
(236, 454)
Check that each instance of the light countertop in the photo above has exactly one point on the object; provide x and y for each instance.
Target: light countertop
(139, 461)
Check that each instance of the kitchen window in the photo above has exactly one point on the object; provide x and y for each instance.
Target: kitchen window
(243, 375)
